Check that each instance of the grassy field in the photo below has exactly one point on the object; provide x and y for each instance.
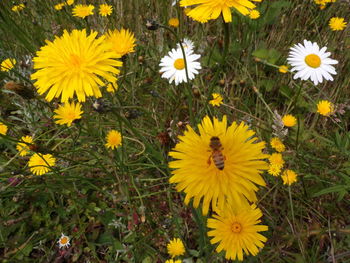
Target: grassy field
(117, 205)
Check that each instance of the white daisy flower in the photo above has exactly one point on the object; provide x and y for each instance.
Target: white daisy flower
(63, 241)
(187, 45)
(311, 62)
(173, 66)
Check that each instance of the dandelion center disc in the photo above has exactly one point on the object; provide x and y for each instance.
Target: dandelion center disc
(179, 64)
(76, 61)
(236, 227)
(313, 60)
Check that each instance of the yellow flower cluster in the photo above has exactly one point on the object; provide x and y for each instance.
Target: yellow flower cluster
(221, 167)
(59, 6)
(277, 162)
(323, 3)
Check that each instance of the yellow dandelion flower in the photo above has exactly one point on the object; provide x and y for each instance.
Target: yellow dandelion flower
(24, 146)
(205, 10)
(174, 22)
(70, 2)
(74, 64)
(274, 170)
(7, 64)
(219, 162)
(236, 229)
(283, 69)
(289, 120)
(325, 108)
(63, 241)
(105, 10)
(337, 23)
(59, 6)
(276, 159)
(67, 113)
(217, 99)
(277, 144)
(173, 261)
(112, 87)
(289, 177)
(254, 14)
(114, 139)
(3, 128)
(175, 247)
(83, 10)
(121, 41)
(17, 8)
(40, 164)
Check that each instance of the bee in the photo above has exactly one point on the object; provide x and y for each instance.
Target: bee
(216, 153)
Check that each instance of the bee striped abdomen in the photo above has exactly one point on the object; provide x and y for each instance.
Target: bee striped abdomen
(216, 155)
(219, 160)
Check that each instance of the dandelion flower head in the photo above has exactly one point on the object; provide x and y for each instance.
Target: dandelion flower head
(17, 8)
(23, 146)
(236, 229)
(199, 177)
(325, 108)
(337, 23)
(217, 99)
(205, 10)
(289, 120)
(289, 177)
(176, 247)
(3, 128)
(277, 144)
(114, 139)
(276, 159)
(67, 113)
(174, 22)
(173, 261)
(59, 6)
(274, 170)
(121, 41)
(105, 10)
(311, 62)
(254, 14)
(7, 64)
(283, 69)
(74, 64)
(83, 11)
(40, 163)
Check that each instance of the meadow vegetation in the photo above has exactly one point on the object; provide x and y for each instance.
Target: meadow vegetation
(108, 180)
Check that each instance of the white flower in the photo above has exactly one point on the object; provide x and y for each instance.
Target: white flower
(63, 241)
(173, 66)
(311, 62)
(187, 45)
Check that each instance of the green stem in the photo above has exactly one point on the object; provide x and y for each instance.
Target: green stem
(226, 40)
(202, 231)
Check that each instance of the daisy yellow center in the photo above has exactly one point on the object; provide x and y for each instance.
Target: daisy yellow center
(236, 227)
(313, 60)
(179, 64)
(64, 240)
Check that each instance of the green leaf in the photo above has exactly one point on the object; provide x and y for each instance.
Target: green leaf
(333, 189)
(147, 260)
